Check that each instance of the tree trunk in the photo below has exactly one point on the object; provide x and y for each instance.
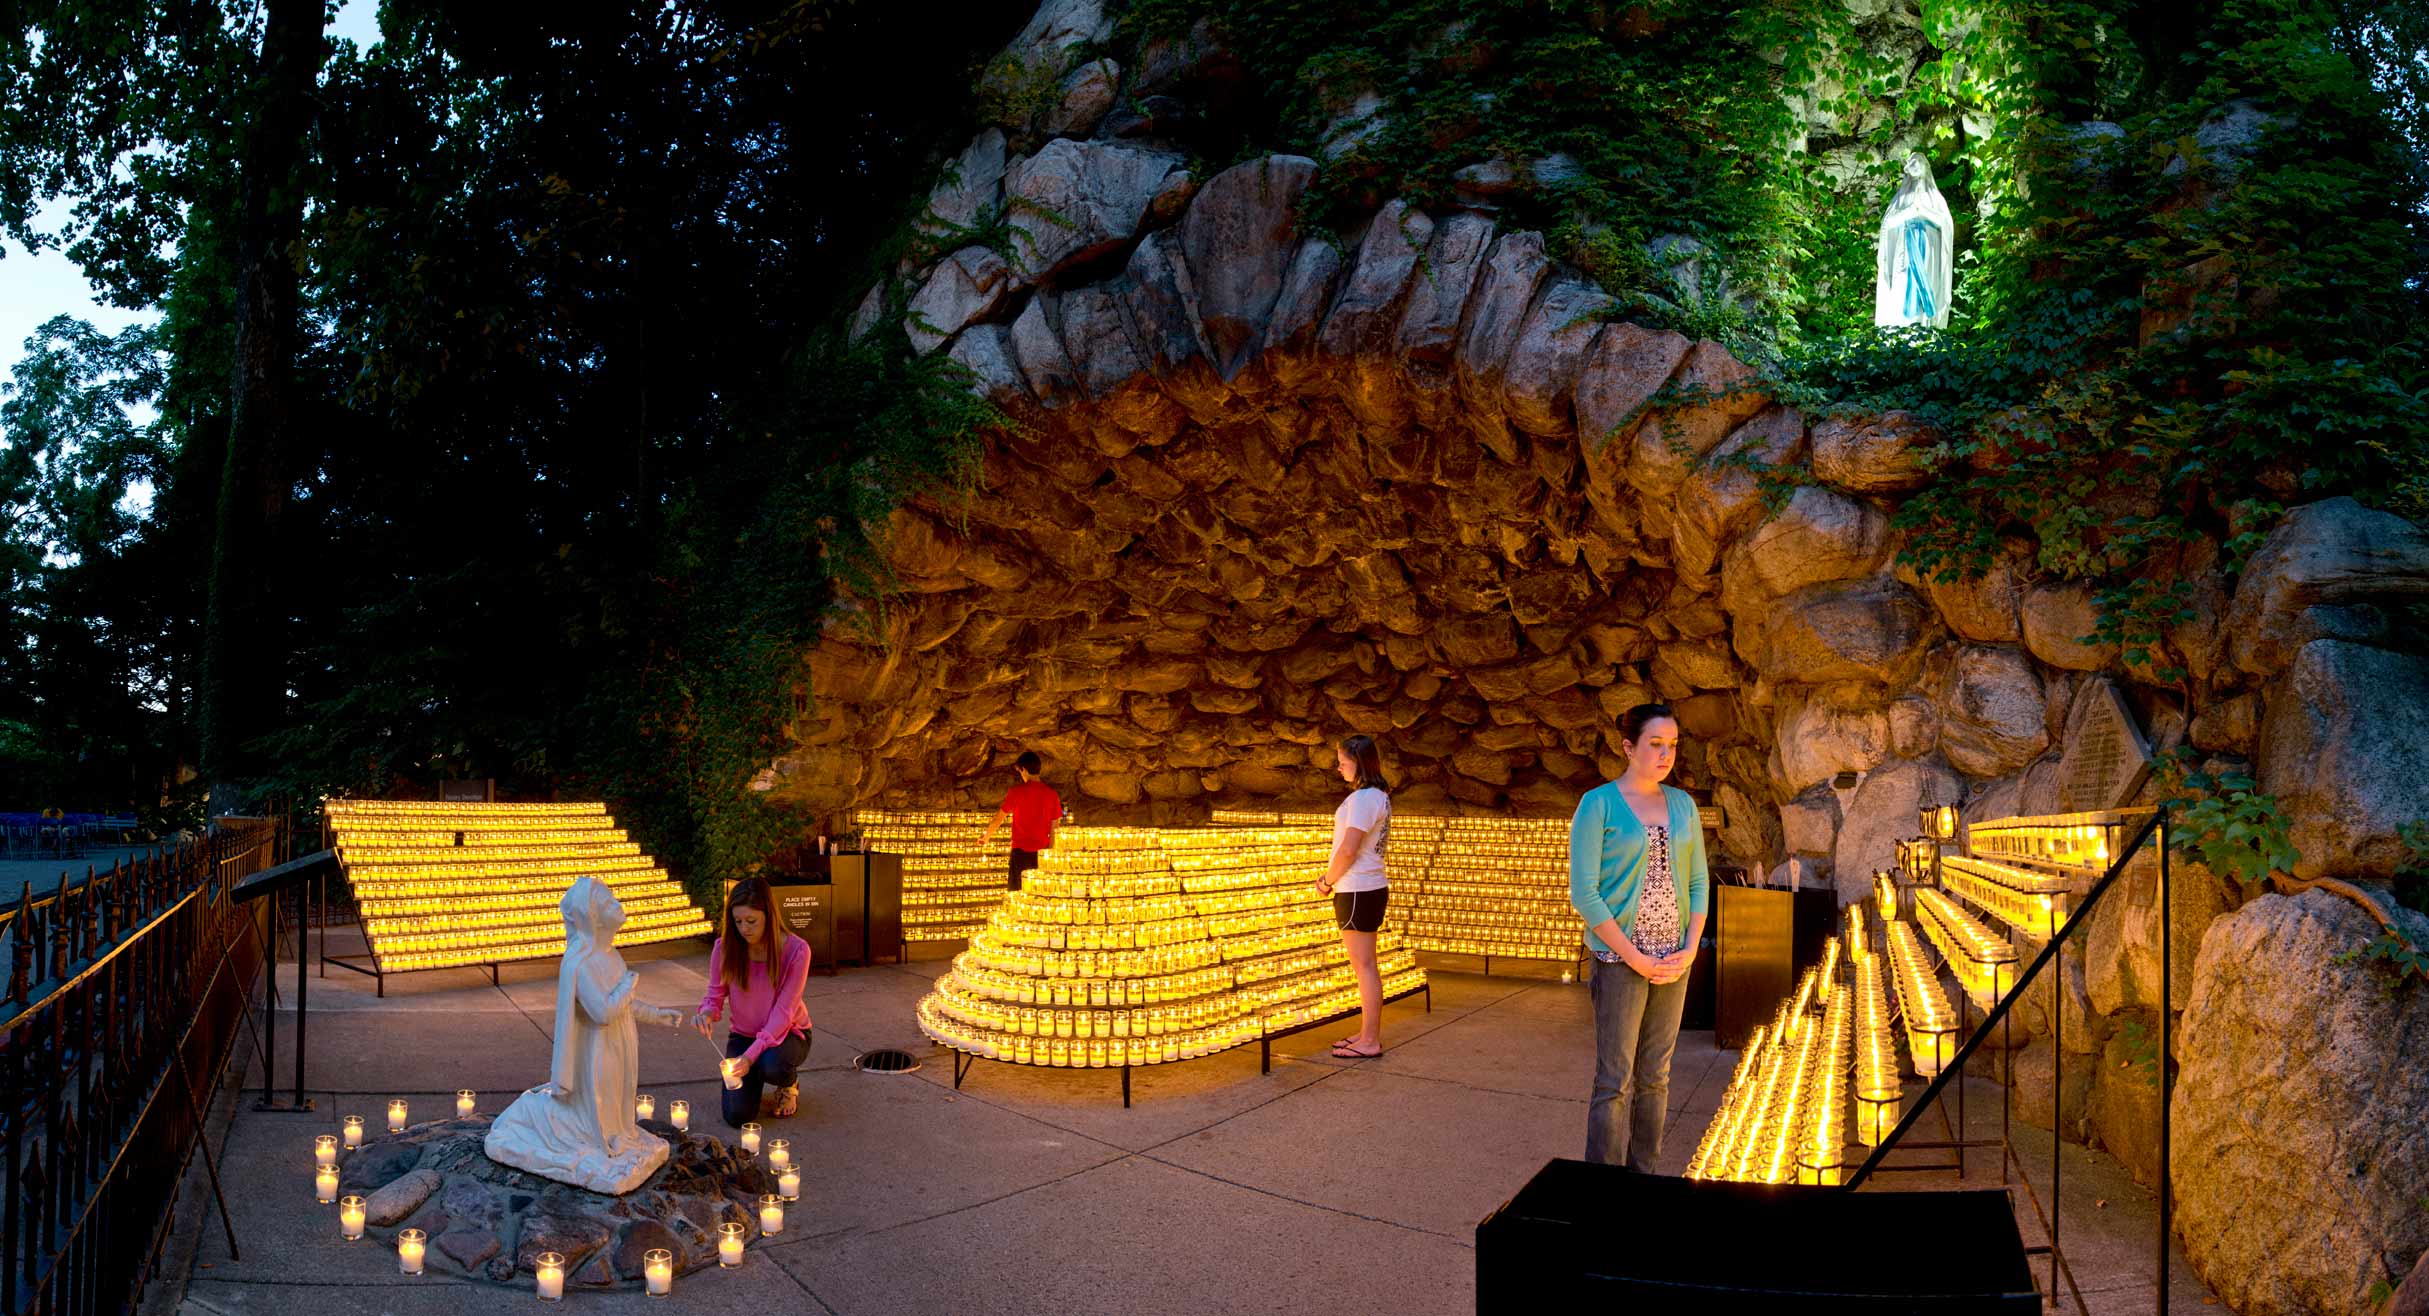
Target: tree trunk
(244, 643)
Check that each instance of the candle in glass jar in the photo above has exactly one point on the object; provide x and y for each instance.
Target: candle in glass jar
(731, 1072)
(679, 1114)
(396, 1116)
(645, 1107)
(771, 1214)
(354, 1131)
(324, 1149)
(463, 1102)
(658, 1271)
(788, 1185)
(324, 1183)
(410, 1246)
(779, 1153)
(548, 1271)
(350, 1216)
(750, 1137)
(729, 1244)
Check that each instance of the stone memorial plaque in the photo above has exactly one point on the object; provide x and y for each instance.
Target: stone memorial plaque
(2106, 755)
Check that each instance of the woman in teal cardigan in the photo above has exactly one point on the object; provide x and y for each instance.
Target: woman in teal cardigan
(1637, 877)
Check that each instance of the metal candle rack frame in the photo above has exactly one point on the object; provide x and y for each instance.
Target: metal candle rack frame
(965, 1061)
(2153, 822)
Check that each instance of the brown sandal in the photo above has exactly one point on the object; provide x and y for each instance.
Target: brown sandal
(788, 1102)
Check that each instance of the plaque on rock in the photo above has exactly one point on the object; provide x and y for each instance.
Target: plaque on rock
(2106, 756)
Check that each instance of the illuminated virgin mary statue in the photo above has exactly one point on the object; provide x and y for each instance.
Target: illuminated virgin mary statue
(1911, 279)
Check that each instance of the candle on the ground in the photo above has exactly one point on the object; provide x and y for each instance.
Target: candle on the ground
(350, 1216)
(463, 1102)
(396, 1116)
(354, 1131)
(729, 1244)
(658, 1269)
(409, 1248)
(680, 1114)
(771, 1214)
(750, 1137)
(779, 1153)
(788, 1185)
(645, 1107)
(548, 1271)
(324, 1149)
(324, 1183)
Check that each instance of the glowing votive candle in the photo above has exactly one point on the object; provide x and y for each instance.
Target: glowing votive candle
(354, 1131)
(779, 1153)
(771, 1214)
(350, 1216)
(679, 1114)
(645, 1107)
(788, 1185)
(324, 1183)
(396, 1116)
(410, 1245)
(729, 1244)
(463, 1102)
(731, 1072)
(658, 1271)
(750, 1137)
(548, 1272)
(324, 1149)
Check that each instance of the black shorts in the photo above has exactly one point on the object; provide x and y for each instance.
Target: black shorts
(1361, 911)
(1022, 862)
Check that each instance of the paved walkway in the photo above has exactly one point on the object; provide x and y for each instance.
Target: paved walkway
(1328, 1186)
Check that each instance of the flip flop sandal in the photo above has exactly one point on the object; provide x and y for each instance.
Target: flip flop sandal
(788, 1103)
(1345, 1053)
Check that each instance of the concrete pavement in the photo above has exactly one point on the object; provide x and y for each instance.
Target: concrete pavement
(1325, 1186)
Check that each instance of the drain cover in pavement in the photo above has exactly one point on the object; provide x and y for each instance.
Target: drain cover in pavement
(887, 1061)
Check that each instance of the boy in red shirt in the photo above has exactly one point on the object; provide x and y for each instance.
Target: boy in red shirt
(1033, 808)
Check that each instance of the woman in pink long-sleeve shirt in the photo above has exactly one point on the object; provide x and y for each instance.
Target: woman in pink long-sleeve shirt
(758, 967)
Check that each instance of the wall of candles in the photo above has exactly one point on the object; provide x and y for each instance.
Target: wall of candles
(1139, 946)
(448, 884)
(950, 883)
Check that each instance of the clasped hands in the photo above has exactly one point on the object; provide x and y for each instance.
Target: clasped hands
(1662, 969)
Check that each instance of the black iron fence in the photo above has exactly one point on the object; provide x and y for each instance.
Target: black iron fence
(125, 994)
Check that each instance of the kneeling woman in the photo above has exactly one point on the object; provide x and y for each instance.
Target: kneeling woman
(1355, 879)
(758, 967)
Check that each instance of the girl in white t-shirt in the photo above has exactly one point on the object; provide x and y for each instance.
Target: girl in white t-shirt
(1362, 831)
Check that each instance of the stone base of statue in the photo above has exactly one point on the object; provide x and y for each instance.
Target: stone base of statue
(551, 1137)
(489, 1221)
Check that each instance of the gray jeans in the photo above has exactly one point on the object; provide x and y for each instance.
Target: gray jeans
(1635, 1030)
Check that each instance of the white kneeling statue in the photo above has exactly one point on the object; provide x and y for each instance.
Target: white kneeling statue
(578, 1127)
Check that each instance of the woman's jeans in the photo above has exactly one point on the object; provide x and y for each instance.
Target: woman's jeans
(1635, 1030)
(776, 1067)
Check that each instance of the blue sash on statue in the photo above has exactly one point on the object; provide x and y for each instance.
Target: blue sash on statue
(1918, 308)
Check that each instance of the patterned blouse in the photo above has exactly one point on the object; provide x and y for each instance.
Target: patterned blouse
(1657, 931)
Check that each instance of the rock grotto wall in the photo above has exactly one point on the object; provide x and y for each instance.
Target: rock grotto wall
(1271, 486)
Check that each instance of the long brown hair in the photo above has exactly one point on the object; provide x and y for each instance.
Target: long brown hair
(1367, 758)
(752, 893)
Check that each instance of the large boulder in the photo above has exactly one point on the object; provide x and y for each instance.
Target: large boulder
(1831, 731)
(2040, 1100)
(1238, 237)
(2058, 624)
(1981, 608)
(2301, 1086)
(1858, 630)
(1505, 290)
(2331, 570)
(1437, 301)
(1881, 812)
(1552, 345)
(1873, 454)
(2121, 946)
(2345, 749)
(1074, 202)
(1719, 395)
(973, 185)
(1725, 495)
(1630, 363)
(1819, 536)
(1991, 721)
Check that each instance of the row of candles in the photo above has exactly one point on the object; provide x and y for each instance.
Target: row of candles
(658, 1264)
(414, 835)
(486, 934)
(1984, 962)
(2036, 913)
(637, 888)
(395, 961)
(2072, 840)
(474, 877)
(356, 853)
(466, 915)
(372, 809)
